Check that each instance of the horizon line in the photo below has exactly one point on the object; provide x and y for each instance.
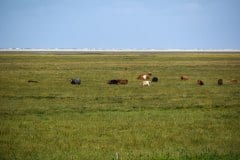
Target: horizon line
(113, 50)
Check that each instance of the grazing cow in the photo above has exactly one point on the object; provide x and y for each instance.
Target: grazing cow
(184, 78)
(233, 81)
(144, 76)
(200, 82)
(154, 79)
(122, 81)
(75, 81)
(118, 81)
(113, 81)
(33, 81)
(220, 82)
(146, 83)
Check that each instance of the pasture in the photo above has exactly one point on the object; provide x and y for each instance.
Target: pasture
(171, 119)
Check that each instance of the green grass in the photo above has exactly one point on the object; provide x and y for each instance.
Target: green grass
(171, 119)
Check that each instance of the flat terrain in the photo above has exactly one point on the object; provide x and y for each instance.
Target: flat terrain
(171, 119)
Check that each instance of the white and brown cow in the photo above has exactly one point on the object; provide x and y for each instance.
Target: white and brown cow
(144, 76)
(146, 83)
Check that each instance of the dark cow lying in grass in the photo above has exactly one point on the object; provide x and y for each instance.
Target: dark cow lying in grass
(75, 81)
(33, 81)
(113, 81)
(118, 81)
(154, 79)
(200, 82)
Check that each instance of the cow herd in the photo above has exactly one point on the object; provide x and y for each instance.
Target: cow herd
(147, 79)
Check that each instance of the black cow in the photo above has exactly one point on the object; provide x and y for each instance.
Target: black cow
(113, 81)
(75, 81)
(220, 82)
(154, 79)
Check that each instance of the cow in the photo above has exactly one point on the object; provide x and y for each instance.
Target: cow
(220, 82)
(113, 81)
(146, 83)
(75, 81)
(33, 81)
(233, 81)
(200, 82)
(154, 79)
(118, 81)
(184, 78)
(122, 81)
(144, 76)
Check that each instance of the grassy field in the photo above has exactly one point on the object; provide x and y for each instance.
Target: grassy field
(171, 119)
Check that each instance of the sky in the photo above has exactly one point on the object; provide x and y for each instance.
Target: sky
(120, 24)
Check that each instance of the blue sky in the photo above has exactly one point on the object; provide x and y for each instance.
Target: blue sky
(121, 24)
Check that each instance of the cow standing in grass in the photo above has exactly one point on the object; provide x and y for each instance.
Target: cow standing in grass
(220, 82)
(146, 83)
(75, 81)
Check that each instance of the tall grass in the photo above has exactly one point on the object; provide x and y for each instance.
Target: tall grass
(171, 119)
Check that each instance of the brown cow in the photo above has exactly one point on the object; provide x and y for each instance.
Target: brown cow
(233, 81)
(200, 82)
(122, 81)
(184, 78)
